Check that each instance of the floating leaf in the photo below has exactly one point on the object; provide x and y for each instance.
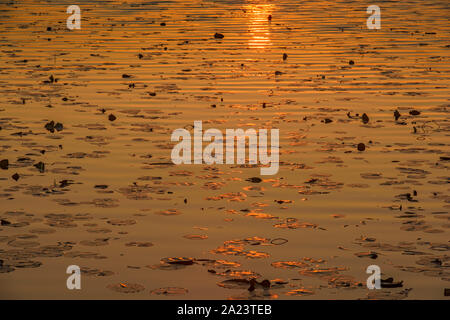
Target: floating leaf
(4, 164)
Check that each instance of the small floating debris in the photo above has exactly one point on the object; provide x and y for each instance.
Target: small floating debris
(52, 126)
(361, 146)
(51, 79)
(390, 283)
(371, 255)
(254, 180)
(40, 166)
(218, 36)
(4, 164)
(365, 118)
(4, 222)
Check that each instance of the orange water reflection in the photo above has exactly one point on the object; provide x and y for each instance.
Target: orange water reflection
(258, 24)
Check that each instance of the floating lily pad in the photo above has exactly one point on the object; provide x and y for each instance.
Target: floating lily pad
(42, 230)
(23, 243)
(169, 212)
(99, 230)
(178, 260)
(26, 264)
(95, 272)
(289, 264)
(139, 244)
(169, 291)
(122, 222)
(300, 292)
(196, 236)
(125, 287)
(234, 284)
(95, 243)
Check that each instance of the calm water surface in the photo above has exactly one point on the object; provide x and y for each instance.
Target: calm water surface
(104, 194)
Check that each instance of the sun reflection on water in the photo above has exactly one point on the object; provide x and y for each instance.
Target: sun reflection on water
(258, 24)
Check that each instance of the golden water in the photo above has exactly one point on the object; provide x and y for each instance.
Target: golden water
(338, 194)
